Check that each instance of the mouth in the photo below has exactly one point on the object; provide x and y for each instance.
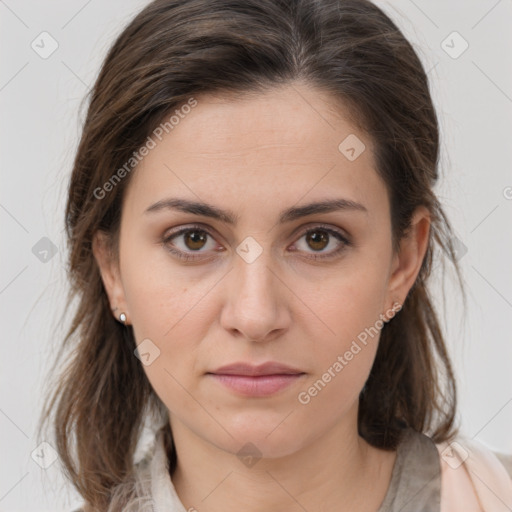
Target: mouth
(256, 381)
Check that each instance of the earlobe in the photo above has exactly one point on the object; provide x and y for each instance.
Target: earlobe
(110, 275)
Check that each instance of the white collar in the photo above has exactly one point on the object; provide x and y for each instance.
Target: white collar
(163, 493)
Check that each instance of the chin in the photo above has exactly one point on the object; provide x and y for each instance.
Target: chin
(251, 449)
(260, 434)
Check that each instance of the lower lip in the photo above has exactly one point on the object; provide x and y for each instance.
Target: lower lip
(262, 385)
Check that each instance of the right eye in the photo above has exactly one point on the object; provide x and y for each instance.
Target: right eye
(193, 239)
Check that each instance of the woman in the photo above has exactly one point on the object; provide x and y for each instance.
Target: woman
(252, 225)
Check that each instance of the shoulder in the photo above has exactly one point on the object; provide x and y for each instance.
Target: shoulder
(473, 477)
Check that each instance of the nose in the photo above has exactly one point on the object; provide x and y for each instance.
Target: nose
(255, 308)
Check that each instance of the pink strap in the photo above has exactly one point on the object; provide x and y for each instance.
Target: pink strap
(472, 478)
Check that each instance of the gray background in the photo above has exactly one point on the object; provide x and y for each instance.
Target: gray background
(40, 125)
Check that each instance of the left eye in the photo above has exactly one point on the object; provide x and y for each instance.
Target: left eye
(320, 237)
(195, 238)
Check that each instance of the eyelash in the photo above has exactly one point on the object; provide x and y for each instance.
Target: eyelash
(186, 256)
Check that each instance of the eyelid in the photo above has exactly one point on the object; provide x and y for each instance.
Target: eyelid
(343, 237)
(311, 226)
(303, 229)
(190, 227)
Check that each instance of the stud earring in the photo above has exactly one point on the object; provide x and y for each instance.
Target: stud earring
(394, 309)
(122, 318)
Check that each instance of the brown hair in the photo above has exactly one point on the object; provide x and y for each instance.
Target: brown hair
(175, 49)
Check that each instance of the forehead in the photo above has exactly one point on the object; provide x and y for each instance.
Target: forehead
(261, 150)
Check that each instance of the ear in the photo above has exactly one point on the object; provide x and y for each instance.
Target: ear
(407, 262)
(110, 274)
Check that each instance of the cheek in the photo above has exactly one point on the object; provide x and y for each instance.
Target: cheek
(342, 365)
(165, 316)
(344, 304)
(171, 307)
(346, 323)
(157, 291)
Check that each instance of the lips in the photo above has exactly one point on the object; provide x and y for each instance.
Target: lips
(256, 381)
(269, 368)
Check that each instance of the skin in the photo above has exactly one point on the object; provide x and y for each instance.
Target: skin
(256, 156)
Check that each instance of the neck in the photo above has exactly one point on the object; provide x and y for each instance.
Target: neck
(336, 472)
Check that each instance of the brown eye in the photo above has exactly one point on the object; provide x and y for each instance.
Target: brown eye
(187, 241)
(317, 239)
(195, 239)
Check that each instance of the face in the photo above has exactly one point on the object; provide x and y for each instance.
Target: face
(261, 282)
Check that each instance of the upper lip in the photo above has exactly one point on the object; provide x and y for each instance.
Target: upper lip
(268, 368)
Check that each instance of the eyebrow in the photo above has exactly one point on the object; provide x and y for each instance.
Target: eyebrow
(229, 217)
